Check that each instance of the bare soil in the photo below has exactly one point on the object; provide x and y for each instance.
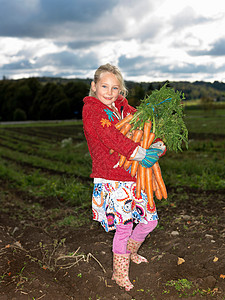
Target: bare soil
(41, 260)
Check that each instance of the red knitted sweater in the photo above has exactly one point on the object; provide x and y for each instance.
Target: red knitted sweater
(101, 135)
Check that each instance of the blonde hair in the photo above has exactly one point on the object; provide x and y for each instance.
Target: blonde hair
(110, 69)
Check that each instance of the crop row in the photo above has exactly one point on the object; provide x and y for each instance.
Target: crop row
(57, 166)
(60, 165)
(56, 133)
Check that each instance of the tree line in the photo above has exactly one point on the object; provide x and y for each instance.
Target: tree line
(60, 99)
(29, 99)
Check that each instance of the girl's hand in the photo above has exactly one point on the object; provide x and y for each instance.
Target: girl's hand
(151, 157)
(148, 157)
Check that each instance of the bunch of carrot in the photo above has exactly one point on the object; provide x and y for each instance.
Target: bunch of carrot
(148, 179)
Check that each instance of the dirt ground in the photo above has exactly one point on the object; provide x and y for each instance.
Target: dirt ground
(186, 252)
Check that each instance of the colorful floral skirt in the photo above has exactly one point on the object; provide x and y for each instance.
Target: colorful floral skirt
(115, 202)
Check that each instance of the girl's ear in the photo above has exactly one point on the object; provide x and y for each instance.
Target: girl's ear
(93, 87)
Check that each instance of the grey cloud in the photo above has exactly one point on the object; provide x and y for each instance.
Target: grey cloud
(70, 10)
(150, 30)
(78, 25)
(47, 17)
(20, 65)
(138, 65)
(143, 66)
(68, 59)
(66, 63)
(186, 18)
(217, 49)
(188, 68)
(15, 18)
(76, 20)
(136, 9)
(82, 44)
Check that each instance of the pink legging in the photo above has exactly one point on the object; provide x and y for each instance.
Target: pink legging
(124, 232)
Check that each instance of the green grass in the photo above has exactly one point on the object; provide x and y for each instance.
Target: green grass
(52, 159)
(37, 184)
(185, 289)
(202, 166)
(62, 160)
(42, 124)
(44, 168)
(206, 124)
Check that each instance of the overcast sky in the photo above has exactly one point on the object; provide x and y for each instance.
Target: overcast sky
(149, 40)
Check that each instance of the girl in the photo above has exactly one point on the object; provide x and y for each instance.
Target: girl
(114, 203)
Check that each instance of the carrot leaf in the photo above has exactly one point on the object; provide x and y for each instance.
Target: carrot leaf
(164, 108)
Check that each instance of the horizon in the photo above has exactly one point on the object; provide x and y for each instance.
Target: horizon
(87, 78)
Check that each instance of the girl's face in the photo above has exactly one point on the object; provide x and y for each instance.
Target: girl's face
(107, 88)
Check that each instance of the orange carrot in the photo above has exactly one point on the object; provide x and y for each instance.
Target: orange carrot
(149, 186)
(127, 164)
(122, 157)
(151, 139)
(158, 175)
(127, 119)
(138, 185)
(157, 190)
(124, 130)
(126, 127)
(142, 172)
(144, 144)
(147, 129)
(129, 135)
(158, 194)
(135, 163)
(154, 182)
(136, 138)
(122, 160)
(134, 167)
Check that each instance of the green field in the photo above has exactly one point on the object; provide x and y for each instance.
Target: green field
(52, 159)
(46, 217)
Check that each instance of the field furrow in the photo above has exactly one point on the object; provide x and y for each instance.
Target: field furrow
(46, 195)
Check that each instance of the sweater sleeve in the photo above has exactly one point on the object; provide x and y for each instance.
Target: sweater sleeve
(100, 125)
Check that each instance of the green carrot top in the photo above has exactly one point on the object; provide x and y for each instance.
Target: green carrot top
(165, 110)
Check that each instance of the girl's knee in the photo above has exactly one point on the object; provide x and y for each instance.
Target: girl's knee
(124, 229)
(121, 237)
(146, 228)
(153, 224)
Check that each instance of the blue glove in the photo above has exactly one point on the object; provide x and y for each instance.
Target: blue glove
(151, 157)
